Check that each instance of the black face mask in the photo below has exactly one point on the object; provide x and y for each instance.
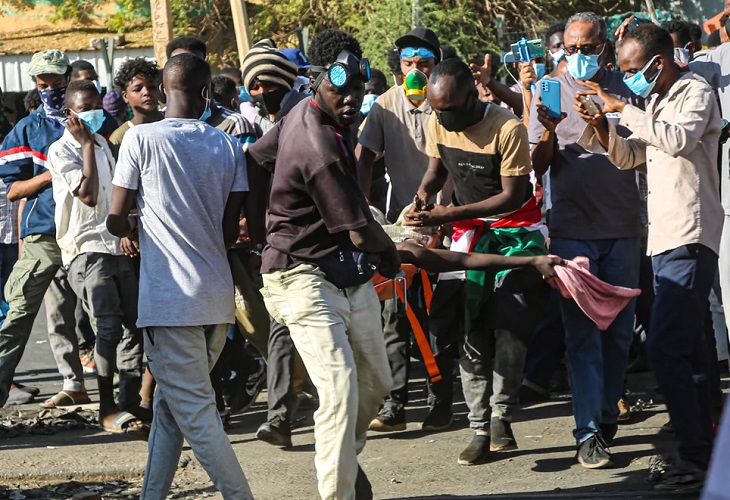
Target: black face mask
(270, 102)
(458, 120)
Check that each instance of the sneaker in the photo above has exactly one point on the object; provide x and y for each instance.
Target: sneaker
(363, 488)
(502, 438)
(87, 362)
(241, 394)
(389, 419)
(608, 432)
(439, 418)
(593, 453)
(276, 431)
(477, 451)
(624, 410)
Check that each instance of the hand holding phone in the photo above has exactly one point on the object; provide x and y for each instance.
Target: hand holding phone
(550, 97)
(589, 105)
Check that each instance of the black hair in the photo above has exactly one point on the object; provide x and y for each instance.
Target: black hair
(713, 39)
(76, 87)
(223, 86)
(456, 69)
(394, 61)
(695, 31)
(133, 67)
(679, 28)
(723, 21)
(653, 39)
(187, 43)
(186, 73)
(378, 81)
(327, 45)
(32, 100)
(79, 66)
(230, 70)
(448, 52)
(555, 28)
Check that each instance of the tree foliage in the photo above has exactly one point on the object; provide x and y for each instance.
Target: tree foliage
(469, 25)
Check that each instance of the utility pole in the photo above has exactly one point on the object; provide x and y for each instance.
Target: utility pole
(240, 25)
(416, 13)
(161, 28)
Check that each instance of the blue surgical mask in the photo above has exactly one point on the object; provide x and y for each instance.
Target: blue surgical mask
(539, 70)
(243, 96)
(583, 67)
(638, 84)
(207, 113)
(558, 55)
(681, 55)
(367, 103)
(93, 119)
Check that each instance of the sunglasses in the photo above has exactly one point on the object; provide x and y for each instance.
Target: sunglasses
(421, 52)
(585, 49)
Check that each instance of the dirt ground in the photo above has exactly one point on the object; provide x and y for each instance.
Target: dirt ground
(56, 456)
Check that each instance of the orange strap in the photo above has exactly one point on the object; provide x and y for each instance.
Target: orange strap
(428, 358)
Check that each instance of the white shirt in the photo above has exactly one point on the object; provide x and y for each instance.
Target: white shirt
(79, 227)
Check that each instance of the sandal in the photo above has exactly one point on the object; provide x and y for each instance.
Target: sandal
(681, 477)
(64, 399)
(126, 423)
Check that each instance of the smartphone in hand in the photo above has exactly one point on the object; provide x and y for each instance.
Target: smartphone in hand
(550, 97)
(589, 105)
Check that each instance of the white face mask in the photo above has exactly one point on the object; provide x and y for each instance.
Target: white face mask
(558, 55)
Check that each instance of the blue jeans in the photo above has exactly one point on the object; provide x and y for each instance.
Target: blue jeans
(8, 258)
(597, 360)
(677, 346)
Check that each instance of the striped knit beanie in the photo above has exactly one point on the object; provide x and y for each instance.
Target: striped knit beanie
(263, 62)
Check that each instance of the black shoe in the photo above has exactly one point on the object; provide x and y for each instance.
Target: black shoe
(608, 432)
(242, 393)
(389, 419)
(477, 451)
(276, 431)
(439, 418)
(33, 391)
(363, 488)
(528, 395)
(502, 438)
(593, 453)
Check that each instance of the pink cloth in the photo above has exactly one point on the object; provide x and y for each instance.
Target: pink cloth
(600, 301)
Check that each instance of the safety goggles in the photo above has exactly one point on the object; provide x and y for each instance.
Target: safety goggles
(421, 52)
(342, 70)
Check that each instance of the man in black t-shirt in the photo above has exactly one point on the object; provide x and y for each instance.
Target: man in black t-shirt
(319, 219)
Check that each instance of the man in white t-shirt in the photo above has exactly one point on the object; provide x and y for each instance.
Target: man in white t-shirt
(189, 206)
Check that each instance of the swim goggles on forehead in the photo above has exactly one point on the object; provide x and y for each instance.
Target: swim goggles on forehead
(421, 52)
(342, 70)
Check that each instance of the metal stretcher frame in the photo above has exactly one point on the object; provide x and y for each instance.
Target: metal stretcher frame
(398, 287)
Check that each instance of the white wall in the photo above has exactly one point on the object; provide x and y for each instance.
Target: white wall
(14, 69)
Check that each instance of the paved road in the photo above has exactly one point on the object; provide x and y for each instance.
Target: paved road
(409, 464)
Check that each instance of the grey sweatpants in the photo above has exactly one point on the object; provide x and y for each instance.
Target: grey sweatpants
(181, 358)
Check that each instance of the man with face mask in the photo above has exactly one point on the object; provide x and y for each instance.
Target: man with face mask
(484, 149)
(595, 213)
(319, 216)
(396, 128)
(677, 138)
(22, 169)
(268, 76)
(682, 39)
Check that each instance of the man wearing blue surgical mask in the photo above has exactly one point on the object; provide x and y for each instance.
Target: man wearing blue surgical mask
(23, 170)
(595, 213)
(677, 139)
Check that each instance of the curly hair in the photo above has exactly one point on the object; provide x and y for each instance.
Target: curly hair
(133, 67)
(680, 29)
(326, 46)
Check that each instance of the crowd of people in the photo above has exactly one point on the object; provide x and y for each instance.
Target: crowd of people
(204, 236)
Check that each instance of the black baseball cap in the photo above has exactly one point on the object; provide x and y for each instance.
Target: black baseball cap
(421, 37)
